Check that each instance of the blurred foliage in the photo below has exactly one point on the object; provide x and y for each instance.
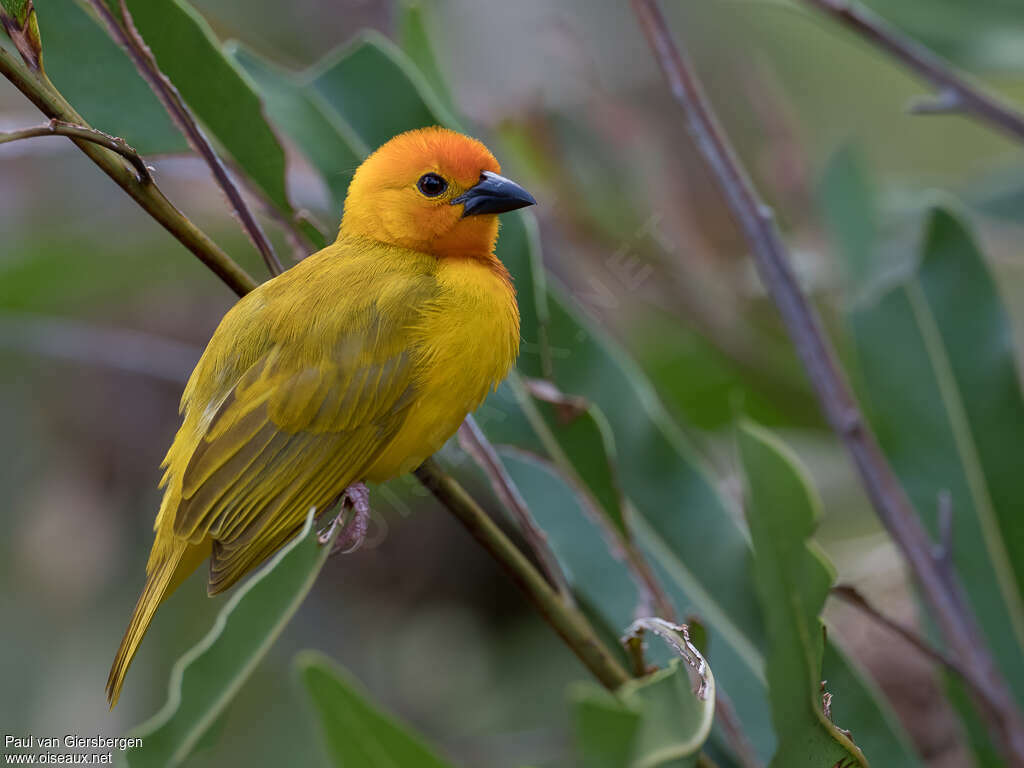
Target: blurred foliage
(642, 293)
(206, 678)
(355, 733)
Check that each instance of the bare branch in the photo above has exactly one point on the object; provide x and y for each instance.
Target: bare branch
(476, 444)
(71, 130)
(41, 92)
(771, 256)
(855, 598)
(125, 34)
(734, 732)
(955, 92)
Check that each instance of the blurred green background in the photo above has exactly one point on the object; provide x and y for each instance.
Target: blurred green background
(102, 316)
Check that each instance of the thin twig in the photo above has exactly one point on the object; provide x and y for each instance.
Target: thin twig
(476, 444)
(955, 93)
(40, 91)
(71, 130)
(770, 254)
(854, 597)
(567, 620)
(299, 242)
(735, 734)
(126, 35)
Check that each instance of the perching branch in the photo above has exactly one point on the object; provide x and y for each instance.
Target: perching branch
(59, 128)
(954, 92)
(475, 443)
(771, 256)
(567, 620)
(41, 92)
(125, 34)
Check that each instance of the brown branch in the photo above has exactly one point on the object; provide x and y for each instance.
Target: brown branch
(771, 256)
(475, 443)
(128, 37)
(567, 620)
(41, 92)
(955, 93)
(855, 598)
(59, 128)
(734, 732)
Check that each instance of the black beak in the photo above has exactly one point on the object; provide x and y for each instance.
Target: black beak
(493, 194)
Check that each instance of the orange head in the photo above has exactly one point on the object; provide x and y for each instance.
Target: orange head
(431, 190)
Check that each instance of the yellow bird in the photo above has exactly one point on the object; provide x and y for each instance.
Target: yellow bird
(354, 365)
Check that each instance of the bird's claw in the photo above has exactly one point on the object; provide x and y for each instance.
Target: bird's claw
(353, 532)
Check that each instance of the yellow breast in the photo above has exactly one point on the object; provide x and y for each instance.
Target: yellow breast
(466, 344)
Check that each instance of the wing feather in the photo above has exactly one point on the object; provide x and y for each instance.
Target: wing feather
(299, 425)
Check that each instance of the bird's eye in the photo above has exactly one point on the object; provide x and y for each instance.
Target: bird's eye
(431, 185)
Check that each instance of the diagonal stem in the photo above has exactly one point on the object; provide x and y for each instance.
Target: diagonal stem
(955, 93)
(125, 34)
(566, 620)
(475, 443)
(771, 256)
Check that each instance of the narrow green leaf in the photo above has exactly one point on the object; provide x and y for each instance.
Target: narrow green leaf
(18, 19)
(220, 95)
(378, 90)
(938, 374)
(577, 435)
(320, 133)
(356, 732)
(848, 202)
(17, 10)
(207, 677)
(605, 728)
(654, 721)
(674, 722)
(415, 42)
(792, 579)
(100, 81)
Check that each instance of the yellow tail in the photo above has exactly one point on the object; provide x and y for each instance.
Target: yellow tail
(160, 583)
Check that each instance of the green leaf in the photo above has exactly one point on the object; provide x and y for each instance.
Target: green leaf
(16, 10)
(938, 374)
(378, 90)
(573, 427)
(792, 578)
(415, 42)
(320, 133)
(357, 733)
(100, 81)
(654, 721)
(848, 202)
(208, 676)
(187, 51)
(605, 728)
(18, 20)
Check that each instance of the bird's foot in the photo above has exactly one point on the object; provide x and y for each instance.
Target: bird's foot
(353, 531)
